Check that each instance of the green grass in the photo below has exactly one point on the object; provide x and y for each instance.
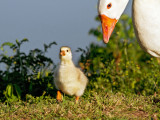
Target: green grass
(92, 105)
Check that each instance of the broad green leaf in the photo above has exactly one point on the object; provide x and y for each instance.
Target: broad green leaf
(18, 90)
(24, 40)
(17, 42)
(9, 90)
(39, 75)
(6, 44)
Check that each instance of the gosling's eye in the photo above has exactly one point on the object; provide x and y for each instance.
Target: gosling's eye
(67, 50)
(109, 5)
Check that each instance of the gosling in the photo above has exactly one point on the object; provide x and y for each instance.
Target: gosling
(68, 78)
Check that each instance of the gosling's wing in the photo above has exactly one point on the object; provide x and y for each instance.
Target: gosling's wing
(82, 77)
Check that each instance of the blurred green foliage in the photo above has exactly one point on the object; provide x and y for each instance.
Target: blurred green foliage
(120, 65)
(30, 73)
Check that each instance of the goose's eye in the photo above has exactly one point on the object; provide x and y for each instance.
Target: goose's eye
(67, 50)
(109, 5)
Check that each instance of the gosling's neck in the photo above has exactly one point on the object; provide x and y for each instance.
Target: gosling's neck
(67, 62)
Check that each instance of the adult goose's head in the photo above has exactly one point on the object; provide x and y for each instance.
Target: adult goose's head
(109, 12)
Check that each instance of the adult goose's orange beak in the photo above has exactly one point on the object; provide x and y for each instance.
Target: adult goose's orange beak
(108, 25)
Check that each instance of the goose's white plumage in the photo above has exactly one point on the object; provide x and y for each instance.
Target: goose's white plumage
(68, 78)
(146, 21)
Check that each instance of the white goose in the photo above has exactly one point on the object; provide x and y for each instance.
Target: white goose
(146, 21)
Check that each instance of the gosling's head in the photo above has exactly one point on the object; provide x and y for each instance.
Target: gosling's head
(65, 53)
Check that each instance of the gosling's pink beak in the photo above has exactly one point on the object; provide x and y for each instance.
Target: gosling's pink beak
(108, 25)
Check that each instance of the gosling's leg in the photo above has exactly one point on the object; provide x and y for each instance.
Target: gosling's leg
(77, 99)
(59, 96)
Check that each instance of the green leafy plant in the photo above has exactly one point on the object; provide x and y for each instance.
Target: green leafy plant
(121, 65)
(30, 73)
